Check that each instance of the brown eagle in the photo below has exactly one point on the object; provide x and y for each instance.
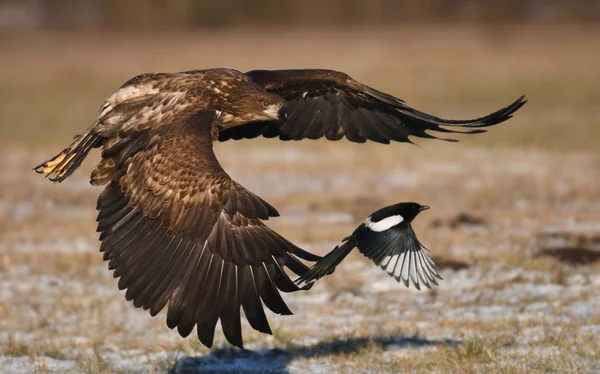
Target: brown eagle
(175, 228)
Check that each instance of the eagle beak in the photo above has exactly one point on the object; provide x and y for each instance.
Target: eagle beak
(282, 113)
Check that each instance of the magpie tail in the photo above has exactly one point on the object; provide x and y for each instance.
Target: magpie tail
(327, 264)
(59, 167)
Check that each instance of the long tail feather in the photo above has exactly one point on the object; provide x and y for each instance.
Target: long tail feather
(61, 166)
(327, 264)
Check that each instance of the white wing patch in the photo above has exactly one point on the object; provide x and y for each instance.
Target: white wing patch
(384, 224)
(390, 261)
(411, 266)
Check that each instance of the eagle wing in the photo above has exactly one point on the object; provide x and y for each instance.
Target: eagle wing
(145, 102)
(178, 230)
(331, 104)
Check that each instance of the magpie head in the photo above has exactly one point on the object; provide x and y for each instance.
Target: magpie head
(394, 215)
(409, 210)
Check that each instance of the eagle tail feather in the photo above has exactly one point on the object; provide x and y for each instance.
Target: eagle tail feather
(61, 166)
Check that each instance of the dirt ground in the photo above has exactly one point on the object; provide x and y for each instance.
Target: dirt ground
(514, 224)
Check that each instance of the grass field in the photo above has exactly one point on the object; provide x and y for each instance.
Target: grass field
(514, 224)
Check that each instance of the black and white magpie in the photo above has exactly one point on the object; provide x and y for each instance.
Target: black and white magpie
(387, 238)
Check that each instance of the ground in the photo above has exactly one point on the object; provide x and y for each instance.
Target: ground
(514, 224)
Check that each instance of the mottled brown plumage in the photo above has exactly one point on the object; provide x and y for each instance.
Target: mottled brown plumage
(176, 229)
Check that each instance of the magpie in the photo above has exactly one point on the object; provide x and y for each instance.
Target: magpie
(387, 238)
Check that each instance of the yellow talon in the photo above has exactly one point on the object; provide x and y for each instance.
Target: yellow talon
(72, 156)
(50, 165)
(62, 171)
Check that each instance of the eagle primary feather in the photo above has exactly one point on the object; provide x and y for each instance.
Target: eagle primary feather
(332, 104)
(175, 228)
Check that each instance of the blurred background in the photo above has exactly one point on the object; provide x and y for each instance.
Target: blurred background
(515, 218)
(271, 13)
(432, 53)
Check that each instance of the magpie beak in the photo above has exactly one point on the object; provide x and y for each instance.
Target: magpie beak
(423, 207)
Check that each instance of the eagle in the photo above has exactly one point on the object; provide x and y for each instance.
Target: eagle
(175, 228)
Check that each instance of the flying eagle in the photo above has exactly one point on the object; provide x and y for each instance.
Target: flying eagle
(174, 227)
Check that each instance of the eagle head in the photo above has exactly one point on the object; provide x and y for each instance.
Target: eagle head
(246, 102)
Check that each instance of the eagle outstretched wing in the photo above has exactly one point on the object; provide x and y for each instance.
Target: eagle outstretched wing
(178, 230)
(326, 103)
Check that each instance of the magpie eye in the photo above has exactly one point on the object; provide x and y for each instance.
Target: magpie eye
(265, 104)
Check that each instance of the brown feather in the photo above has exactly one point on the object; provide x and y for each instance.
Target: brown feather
(363, 113)
(179, 232)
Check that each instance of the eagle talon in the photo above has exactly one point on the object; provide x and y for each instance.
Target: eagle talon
(49, 166)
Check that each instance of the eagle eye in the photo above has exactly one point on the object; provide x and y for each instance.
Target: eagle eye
(265, 104)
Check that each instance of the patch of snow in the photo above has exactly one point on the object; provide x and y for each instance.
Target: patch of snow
(532, 335)
(132, 360)
(573, 226)
(519, 291)
(576, 280)
(388, 284)
(56, 365)
(540, 308)
(351, 298)
(481, 312)
(79, 244)
(582, 309)
(465, 279)
(17, 365)
(551, 353)
(590, 330)
(311, 298)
